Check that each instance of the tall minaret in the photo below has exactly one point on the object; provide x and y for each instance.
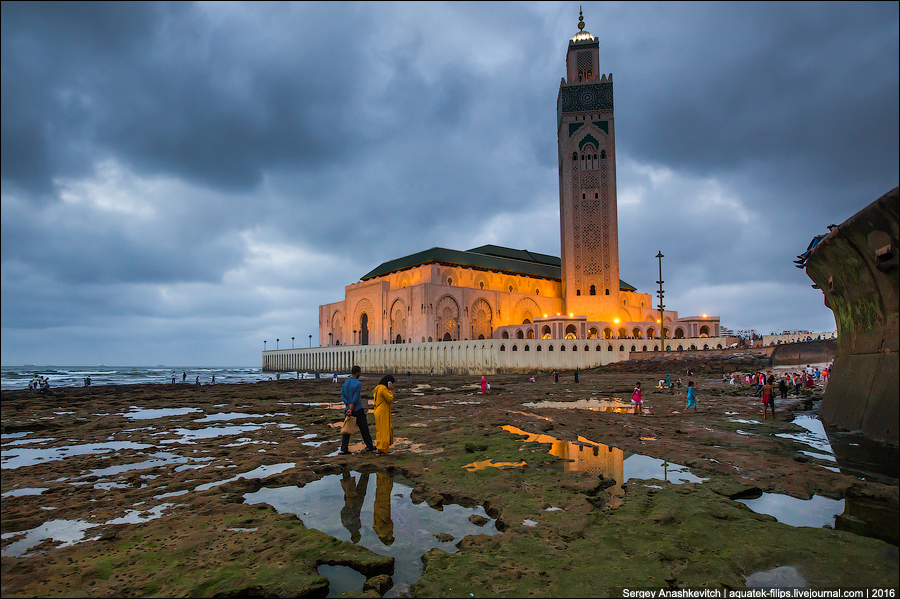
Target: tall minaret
(589, 233)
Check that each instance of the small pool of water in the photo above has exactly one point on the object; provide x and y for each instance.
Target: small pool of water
(25, 456)
(597, 458)
(372, 502)
(816, 512)
(137, 413)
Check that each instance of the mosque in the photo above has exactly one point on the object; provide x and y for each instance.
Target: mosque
(475, 304)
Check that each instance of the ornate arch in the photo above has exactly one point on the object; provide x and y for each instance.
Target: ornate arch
(526, 309)
(398, 316)
(337, 327)
(364, 311)
(482, 316)
(451, 275)
(446, 318)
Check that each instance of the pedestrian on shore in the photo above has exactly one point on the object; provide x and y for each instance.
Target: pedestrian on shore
(691, 396)
(782, 387)
(173, 378)
(350, 396)
(768, 399)
(636, 400)
(408, 379)
(555, 376)
(576, 375)
(334, 378)
(213, 380)
(197, 381)
(384, 432)
(483, 385)
(183, 377)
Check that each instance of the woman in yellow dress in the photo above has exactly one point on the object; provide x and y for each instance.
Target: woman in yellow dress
(384, 432)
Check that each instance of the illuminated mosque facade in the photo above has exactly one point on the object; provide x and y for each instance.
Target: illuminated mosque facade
(466, 311)
(493, 292)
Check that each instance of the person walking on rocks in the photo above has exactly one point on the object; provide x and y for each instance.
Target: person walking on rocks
(483, 385)
(636, 398)
(691, 396)
(350, 396)
(768, 399)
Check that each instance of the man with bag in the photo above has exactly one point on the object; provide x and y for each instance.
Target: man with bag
(351, 396)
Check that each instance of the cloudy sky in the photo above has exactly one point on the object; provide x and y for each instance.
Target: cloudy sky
(183, 181)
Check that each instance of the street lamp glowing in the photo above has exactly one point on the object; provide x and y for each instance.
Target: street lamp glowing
(616, 321)
(704, 316)
(657, 321)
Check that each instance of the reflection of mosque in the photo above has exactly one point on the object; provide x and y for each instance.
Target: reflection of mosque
(585, 456)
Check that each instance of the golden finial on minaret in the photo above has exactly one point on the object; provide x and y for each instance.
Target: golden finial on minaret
(580, 20)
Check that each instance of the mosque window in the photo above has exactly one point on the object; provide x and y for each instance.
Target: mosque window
(596, 195)
(449, 281)
(593, 290)
(481, 284)
(510, 288)
(583, 196)
(537, 291)
(578, 292)
(607, 292)
(603, 154)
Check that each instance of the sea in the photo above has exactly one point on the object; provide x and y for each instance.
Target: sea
(18, 377)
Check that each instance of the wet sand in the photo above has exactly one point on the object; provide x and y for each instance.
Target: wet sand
(141, 489)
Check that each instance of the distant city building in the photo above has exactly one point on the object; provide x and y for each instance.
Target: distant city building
(493, 292)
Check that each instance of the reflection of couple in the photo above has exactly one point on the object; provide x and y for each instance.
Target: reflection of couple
(355, 496)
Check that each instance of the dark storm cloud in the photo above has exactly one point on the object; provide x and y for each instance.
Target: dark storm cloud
(217, 171)
(171, 88)
(784, 90)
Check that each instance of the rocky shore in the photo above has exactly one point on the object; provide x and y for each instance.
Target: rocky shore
(148, 487)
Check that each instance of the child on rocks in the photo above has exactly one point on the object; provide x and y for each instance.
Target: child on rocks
(691, 396)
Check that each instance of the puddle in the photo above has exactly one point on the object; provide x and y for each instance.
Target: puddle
(372, 502)
(595, 405)
(785, 577)
(11, 459)
(261, 472)
(342, 579)
(187, 435)
(149, 414)
(157, 460)
(230, 416)
(814, 436)
(23, 492)
(816, 512)
(66, 532)
(492, 464)
(597, 458)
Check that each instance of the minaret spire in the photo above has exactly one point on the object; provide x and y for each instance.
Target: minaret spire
(580, 19)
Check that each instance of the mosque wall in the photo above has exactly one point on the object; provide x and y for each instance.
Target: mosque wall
(486, 356)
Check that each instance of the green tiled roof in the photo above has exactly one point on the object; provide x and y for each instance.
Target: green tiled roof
(486, 257)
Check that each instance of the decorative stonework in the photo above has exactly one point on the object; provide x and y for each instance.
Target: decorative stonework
(587, 97)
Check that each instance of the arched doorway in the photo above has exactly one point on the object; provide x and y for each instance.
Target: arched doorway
(364, 330)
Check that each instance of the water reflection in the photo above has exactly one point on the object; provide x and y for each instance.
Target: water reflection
(367, 518)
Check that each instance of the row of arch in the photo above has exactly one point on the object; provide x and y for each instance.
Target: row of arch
(594, 333)
(458, 357)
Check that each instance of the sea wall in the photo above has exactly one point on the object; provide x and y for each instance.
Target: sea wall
(806, 352)
(856, 267)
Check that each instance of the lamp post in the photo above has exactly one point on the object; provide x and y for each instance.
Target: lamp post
(292, 343)
(310, 340)
(276, 343)
(662, 322)
(264, 345)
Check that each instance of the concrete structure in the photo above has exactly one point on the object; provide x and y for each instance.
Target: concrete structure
(442, 295)
(856, 267)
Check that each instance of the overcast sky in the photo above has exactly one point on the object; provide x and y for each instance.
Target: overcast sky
(183, 181)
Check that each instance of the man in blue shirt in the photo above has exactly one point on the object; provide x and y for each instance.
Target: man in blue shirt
(350, 395)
